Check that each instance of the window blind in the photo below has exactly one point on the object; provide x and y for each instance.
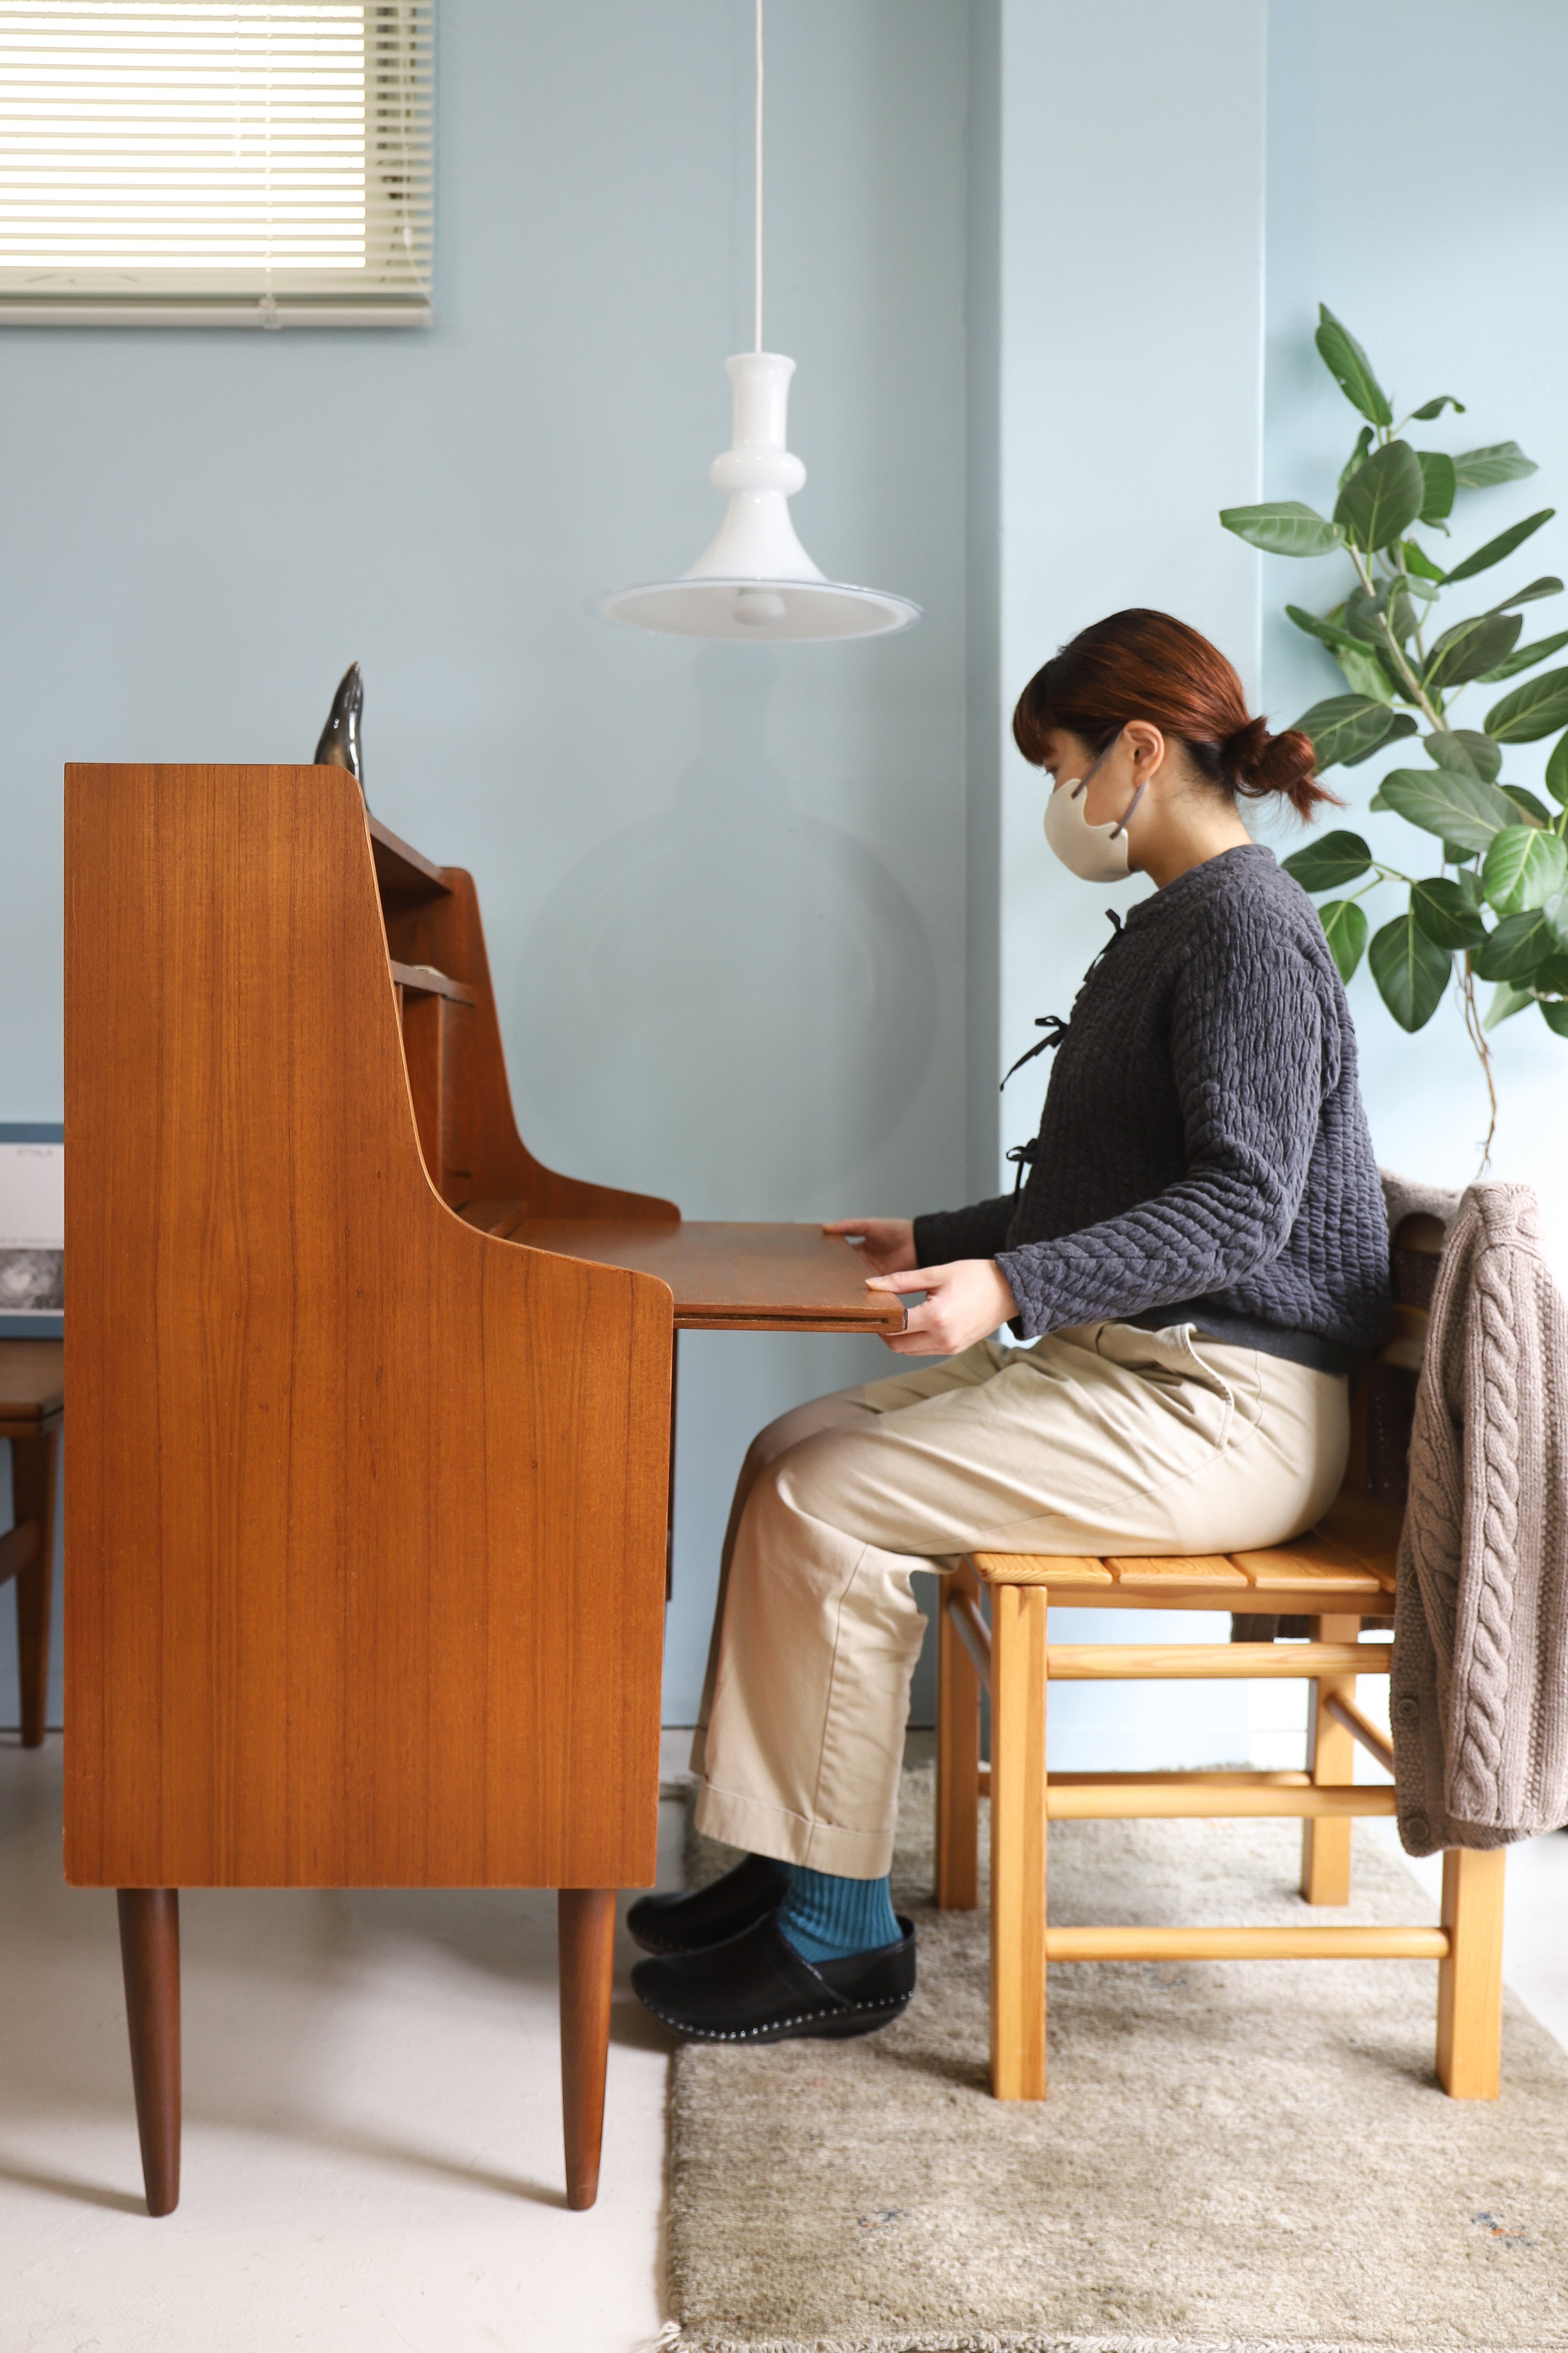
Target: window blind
(215, 161)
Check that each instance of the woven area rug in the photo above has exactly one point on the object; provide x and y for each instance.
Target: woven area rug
(1238, 2154)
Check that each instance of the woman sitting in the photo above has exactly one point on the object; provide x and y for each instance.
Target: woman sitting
(1198, 1255)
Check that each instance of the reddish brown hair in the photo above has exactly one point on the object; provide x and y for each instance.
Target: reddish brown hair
(1144, 665)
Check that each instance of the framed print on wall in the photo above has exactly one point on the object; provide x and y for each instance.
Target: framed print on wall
(32, 1231)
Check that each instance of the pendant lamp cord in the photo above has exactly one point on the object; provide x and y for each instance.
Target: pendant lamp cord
(757, 254)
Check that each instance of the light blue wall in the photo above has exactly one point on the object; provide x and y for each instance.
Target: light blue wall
(1015, 248)
(1418, 185)
(1130, 394)
(723, 888)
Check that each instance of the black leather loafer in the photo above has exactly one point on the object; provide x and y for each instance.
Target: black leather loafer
(758, 1989)
(710, 1915)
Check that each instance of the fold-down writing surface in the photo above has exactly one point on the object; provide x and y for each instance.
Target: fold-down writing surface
(731, 1277)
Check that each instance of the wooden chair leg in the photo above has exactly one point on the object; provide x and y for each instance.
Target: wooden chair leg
(1469, 1982)
(33, 1463)
(1330, 1760)
(150, 1956)
(957, 1760)
(586, 1920)
(1018, 1619)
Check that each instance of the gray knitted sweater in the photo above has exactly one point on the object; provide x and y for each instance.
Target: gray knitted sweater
(1203, 1156)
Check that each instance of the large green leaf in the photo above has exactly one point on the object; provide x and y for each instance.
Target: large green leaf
(1419, 563)
(1350, 368)
(1344, 928)
(1325, 865)
(1282, 527)
(1403, 618)
(1470, 649)
(1458, 808)
(1466, 749)
(1400, 723)
(1503, 544)
(1431, 408)
(1364, 611)
(1410, 970)
(1346, 726)
(1523, 868)
(1327, 632)
(1440, 479)
(1535, 812)
(1507, 1001)
(1383, 498)
(1482, 469)
(1537, 589)
(1522, 944)
(1525, 657)
(1357, 457)
(1537, 708)
(1557, 772)
(1552, 975)
(1447, 913)
(1556, 1013)
(1363, 673)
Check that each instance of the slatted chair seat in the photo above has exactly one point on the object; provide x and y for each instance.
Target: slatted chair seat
(1334, 1582)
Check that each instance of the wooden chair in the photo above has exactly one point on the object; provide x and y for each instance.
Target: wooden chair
(1331, 1583)
(32, 1405)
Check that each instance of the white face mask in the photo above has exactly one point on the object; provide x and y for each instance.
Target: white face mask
(1096, 853)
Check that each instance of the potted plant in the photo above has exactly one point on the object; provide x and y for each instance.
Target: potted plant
(1495, 909)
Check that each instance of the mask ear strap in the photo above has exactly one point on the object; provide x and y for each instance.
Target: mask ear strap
(1094, 768)
(1126, 820)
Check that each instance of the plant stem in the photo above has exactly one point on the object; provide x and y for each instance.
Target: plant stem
(1479, 1040)
(1414, 691)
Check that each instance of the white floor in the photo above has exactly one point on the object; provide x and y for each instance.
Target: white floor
(372, 2147)
(371, 2140)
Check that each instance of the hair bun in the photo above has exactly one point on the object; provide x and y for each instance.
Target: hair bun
(1259, 763)
(1244, 752)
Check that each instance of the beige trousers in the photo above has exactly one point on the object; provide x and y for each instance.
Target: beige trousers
(1102, 1440)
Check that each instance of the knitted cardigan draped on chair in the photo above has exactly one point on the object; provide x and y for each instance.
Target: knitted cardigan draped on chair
(1479, 1697)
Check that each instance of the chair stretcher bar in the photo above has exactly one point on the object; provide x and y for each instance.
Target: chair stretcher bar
(1246, 1944)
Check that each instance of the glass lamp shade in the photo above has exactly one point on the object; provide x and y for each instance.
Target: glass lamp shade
(755, 581)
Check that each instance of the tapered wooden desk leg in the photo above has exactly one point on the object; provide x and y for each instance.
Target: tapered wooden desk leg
(587, 1955)
(33, 1468)
(1018, 1667)
(149, 1954)
(957, 1758)
(1469, 1982)
(1330, 1760)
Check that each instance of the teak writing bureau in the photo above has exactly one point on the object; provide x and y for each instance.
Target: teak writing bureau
(367, 1506)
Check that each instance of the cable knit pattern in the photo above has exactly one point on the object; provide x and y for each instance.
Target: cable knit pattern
(1478, 1767)
(1203, 1155)
(1479, 1696)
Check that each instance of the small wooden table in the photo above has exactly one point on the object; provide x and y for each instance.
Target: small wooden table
(32, 1404)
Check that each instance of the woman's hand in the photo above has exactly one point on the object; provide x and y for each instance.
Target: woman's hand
(887, 1244)
(963, 1302)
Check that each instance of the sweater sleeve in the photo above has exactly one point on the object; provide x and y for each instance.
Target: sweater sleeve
(1248, 1053)
(979, 1231)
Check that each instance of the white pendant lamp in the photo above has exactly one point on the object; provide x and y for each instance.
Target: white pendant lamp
(755, 580)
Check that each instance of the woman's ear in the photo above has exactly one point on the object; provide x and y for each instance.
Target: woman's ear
(1148, 747)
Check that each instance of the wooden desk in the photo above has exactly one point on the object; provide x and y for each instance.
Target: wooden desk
(730, 1278)
(32, 1402)
(368, 1494)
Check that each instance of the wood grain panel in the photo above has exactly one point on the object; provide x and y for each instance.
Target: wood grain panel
(442, 928)
(366, 1508)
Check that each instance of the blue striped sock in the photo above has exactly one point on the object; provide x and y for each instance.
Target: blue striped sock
(826, 1918)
